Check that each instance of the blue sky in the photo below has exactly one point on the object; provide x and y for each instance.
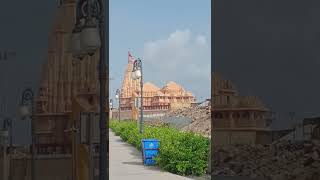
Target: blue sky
(171, 36)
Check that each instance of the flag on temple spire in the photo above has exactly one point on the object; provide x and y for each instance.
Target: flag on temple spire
(130, 57)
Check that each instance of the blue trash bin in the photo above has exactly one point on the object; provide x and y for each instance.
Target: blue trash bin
(150, 149)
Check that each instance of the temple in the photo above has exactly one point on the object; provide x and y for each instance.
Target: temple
(68, 87)
(238, 119)
(155, 99)
(63, 78)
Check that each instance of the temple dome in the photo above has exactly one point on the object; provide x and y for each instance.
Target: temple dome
(149, 87)
(172, 86)
(189, 94)
(159, 93)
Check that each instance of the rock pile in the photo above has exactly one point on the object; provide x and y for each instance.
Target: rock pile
(201, 119)
(281, 161)
(156, 123)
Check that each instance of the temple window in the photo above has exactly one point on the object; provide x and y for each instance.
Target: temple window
(245, 115)
(228, 100)
(218, 115)
(236, 116)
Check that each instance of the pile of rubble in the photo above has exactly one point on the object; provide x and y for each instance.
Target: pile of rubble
(281, 161)
(156, 123)
(201, 119)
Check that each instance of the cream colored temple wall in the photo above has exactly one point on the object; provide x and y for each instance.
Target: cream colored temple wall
(46, 169)
(238, 119)
(243, 137)
(226, 137)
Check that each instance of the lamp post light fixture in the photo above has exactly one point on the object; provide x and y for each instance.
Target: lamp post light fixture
(111, 104)
(26, 111)
(111, 108)
(137, 74)
(88, 37)
(118, 94)
(75, 42)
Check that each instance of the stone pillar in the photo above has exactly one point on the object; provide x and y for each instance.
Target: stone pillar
(54, 82)
(50, 82)
(252, 120)
(232, 121)
(69, 84)
(63, 73)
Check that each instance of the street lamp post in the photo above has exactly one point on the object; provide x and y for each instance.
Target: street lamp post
(7, 125)
(27, 102)
(111, 107)
(138, 74)
(4, 143)
(118, 97)
(89, 36)
(111, 103)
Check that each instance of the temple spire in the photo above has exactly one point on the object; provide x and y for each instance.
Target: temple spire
(129, 85)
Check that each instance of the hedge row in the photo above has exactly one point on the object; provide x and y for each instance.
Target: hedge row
(180, 152)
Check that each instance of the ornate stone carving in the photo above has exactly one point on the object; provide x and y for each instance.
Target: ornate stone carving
(62, 80)
(155, 98)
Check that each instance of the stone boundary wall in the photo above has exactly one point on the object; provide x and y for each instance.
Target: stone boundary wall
(147, 114)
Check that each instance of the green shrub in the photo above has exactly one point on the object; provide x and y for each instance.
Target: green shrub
(181, 153)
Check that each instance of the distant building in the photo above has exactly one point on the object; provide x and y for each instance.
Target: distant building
(311, 128)
(155, 99)
(238, 119)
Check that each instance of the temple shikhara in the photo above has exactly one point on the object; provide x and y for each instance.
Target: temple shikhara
(66, 82)
(155, 100)
(238, 119)
(68, 87)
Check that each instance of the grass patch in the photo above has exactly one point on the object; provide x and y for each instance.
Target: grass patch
(181, 153)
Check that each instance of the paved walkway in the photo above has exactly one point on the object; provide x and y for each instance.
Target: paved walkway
(126, 163)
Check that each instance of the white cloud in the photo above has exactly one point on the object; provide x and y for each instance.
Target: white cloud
(201, 40)
(183, 57)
